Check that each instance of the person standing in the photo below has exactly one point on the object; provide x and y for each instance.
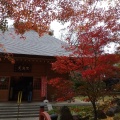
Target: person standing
(30, 89)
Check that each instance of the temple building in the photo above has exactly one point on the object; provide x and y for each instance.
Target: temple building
(33, 57)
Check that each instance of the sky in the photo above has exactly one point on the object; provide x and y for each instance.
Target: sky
(57, 27)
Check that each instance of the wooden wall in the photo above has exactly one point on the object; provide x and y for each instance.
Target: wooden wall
(39, 68)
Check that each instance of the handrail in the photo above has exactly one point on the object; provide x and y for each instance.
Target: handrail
(19, 101)
(19, 97)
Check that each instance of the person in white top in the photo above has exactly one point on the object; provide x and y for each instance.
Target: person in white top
(45, 100)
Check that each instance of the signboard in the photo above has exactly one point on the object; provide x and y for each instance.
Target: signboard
(43, 86)
(22, 67)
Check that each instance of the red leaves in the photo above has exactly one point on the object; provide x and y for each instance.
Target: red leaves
(66, 13)
(92, 68)
(63, 88)
(63, 65)
(28, 15)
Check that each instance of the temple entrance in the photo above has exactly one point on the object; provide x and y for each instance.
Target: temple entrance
(19, 84)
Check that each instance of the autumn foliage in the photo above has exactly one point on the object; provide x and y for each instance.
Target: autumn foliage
(66, 92)
(92, 27)
(27, 15)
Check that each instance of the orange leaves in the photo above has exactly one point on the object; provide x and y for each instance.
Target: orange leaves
(1, 45)
(28, 15)
(10, 58)
(21, 27)
(7, 55)
(31, 16)
(66, 11)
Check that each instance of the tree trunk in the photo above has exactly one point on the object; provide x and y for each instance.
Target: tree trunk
(95, 110)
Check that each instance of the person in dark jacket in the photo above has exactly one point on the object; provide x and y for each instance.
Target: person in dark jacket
(30, 89)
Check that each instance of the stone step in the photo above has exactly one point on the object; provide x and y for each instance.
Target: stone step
(19, 116)
(12, 110)
(20, 107)
(14, 105)
(25, 110)
(20, 112)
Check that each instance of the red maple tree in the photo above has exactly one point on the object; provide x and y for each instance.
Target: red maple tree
(91, 29)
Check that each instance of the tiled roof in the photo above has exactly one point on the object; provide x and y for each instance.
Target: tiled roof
(33, 44)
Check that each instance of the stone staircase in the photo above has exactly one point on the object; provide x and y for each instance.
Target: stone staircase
(22, 111)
